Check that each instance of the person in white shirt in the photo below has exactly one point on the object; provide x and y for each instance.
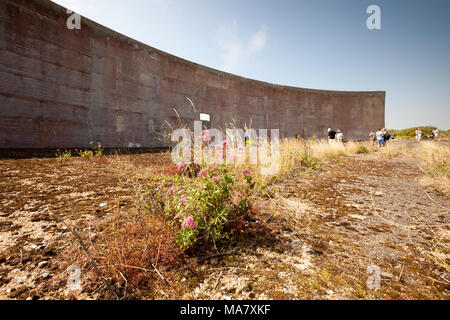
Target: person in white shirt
(436, 132)
(339, 136)
(418, 134)
(380, 137)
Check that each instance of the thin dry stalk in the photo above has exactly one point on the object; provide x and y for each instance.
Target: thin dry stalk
(80, 241)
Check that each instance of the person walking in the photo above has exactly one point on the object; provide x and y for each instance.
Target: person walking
(436, 132)
(372, 138)
(418, 134)
(380, 137)
(339, 136)
(386, 136)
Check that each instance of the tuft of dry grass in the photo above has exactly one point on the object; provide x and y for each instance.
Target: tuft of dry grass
(308, 154)
(391, 150)
(331, 151)
(435, 159)
(434, 153)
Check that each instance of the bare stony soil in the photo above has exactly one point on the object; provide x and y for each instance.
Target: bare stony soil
(325, 230)
(39, 199)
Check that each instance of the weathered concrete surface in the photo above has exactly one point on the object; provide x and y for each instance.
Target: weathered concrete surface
(62, 88)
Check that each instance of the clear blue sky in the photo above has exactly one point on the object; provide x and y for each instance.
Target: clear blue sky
(321, 44)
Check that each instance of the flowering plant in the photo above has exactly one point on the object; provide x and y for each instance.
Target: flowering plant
(202, 206)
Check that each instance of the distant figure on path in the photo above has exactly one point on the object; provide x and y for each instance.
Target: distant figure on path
(436, 132)
(331, 135)
(372, 137)
(386, 136)
(380, 137)
(339, 136)
(418, 134)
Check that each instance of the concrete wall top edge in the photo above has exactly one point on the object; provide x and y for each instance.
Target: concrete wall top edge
(107, 32)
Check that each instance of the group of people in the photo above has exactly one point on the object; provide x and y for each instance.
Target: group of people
(434, 134)
(380, 137)
(335, 136)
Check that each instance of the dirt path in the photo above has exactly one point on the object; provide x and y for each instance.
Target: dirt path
(328, 228)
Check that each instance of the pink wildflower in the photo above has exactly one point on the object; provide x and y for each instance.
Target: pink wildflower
(199, 186)
(224, 143)
(246, 171)
(239, 195)
(180, 166)
(189, 222)
(215, 179)
(202, 173)
(171, 191)
(182, 201)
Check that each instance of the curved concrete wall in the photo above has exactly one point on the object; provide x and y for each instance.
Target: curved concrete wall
(62, 88)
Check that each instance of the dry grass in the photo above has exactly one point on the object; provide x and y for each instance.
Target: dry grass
(307, 155)
(434, 153)
(331, 151)
(292, 151)
(433, 158)
(393, 150)
(435, 164)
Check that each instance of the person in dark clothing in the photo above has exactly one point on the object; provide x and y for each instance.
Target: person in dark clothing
(331, 135)
(386, 136)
